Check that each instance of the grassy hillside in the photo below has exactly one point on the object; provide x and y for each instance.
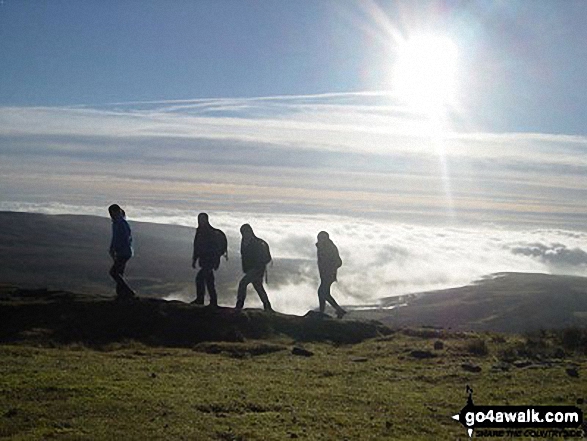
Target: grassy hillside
(261, 390)
(508, 302)
(85, 367)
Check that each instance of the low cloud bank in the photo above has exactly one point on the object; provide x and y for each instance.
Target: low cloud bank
(379, 259)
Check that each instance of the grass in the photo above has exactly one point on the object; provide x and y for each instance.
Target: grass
(258, 390)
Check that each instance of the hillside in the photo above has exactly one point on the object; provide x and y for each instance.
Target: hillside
(506, 302)
(64, 317)
(81, 366)
(70, 252)
(403, 386)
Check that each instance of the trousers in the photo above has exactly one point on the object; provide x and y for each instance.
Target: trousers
(254, 277)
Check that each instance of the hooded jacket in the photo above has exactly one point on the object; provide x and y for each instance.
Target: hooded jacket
(328, 259)
(208, 246)
(121, 244)
(255, 254)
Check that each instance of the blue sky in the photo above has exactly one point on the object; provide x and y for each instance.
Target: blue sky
(293, 107)
(522, 62)
(68, 52)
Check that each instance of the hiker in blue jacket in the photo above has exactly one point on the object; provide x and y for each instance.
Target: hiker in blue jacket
(209, 245)
(328, 263)
(120, 251)
(255, 256)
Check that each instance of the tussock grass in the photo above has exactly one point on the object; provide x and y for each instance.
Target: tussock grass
(370, 390)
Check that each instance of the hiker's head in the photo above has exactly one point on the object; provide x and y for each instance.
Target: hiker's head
(203, 219)
(247, 231)
(323, 236)
(115, 211)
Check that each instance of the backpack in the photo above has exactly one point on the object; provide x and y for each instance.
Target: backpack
(221, 242)
(338, 262)
(264, 253)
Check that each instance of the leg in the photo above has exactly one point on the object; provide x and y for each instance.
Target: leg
(117, 273)
(257, 276)
(322, 290)
(325, 296)
(242, 291)
(331, 300)
(200, 287)
(258, 285)
(211, 287)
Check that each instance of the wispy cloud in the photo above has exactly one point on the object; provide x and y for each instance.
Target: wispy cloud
(360, 153)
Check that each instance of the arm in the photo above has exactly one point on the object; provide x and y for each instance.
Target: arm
(195, 253)
(111, 249)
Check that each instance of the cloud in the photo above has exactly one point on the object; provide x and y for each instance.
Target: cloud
(358, 153)
(380, 258)
(556, 255)
(361, 123)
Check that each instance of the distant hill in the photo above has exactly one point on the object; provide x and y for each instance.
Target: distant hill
(505, 302)
(67, 252)
(70, 252)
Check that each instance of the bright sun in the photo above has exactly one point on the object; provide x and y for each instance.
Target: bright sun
(425, 73)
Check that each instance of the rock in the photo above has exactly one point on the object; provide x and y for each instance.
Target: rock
(316, 315)
(572, 372)
(438, 345)
(522, 363)
(297, 350)
(470, 367)
(422, 354)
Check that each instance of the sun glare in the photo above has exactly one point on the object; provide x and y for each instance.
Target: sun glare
(425, 73)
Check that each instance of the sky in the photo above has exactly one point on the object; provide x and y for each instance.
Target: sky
(430, 114)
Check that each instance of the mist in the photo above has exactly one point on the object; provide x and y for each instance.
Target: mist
(380, 259)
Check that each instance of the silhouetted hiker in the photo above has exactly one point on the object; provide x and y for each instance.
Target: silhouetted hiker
(255, 256)
(209, 244)
(329, 262)
(120, 250)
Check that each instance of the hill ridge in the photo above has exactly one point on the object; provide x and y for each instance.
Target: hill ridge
(66, 317)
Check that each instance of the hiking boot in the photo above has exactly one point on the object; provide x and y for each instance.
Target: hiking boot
(340, 313)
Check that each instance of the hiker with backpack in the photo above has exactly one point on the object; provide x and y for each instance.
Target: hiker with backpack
(255, 256)
(120, 251)
(329, 262)
(209, 245)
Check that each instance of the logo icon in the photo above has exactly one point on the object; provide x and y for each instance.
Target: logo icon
(514, 418)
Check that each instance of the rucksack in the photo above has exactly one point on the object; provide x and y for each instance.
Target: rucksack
(338, 261)
(264, 253)
(221, 242)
